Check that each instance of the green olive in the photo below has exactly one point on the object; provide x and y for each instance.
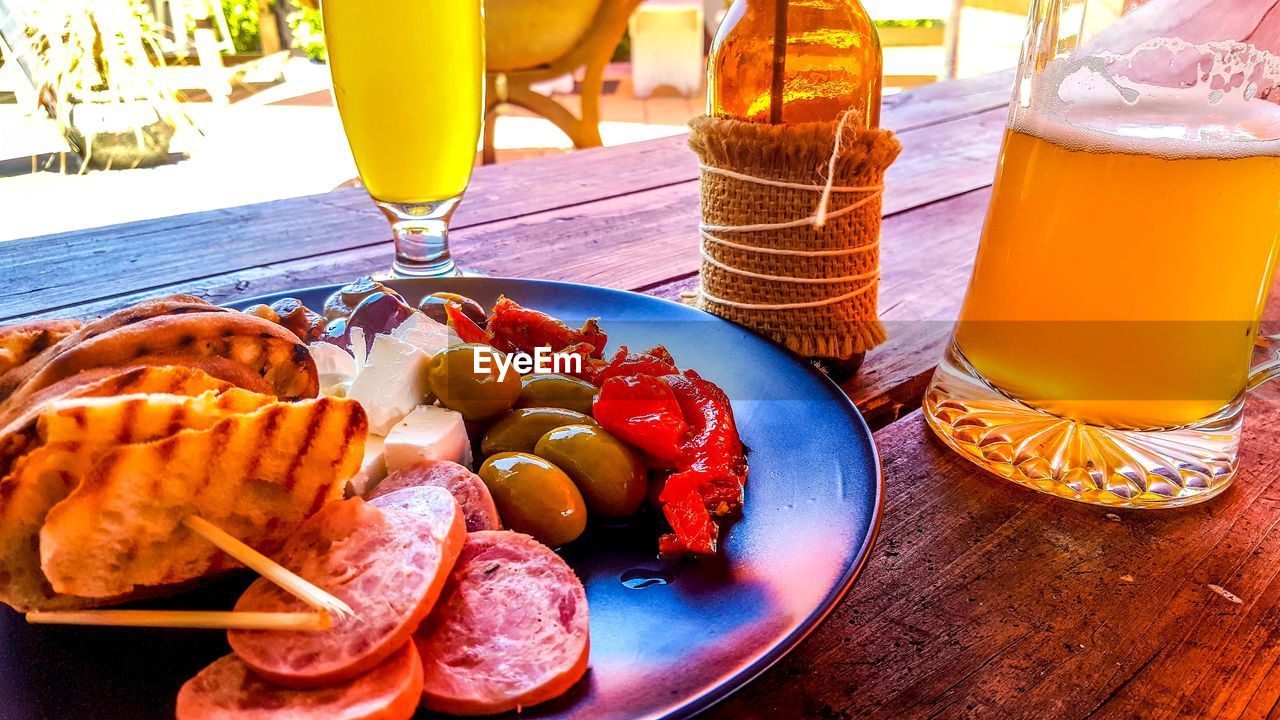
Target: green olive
(452, 377)
(610, 475)
(519, 430)
(557, 391)
(535, 497)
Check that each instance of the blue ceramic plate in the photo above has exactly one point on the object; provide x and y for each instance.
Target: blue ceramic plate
(668, 638)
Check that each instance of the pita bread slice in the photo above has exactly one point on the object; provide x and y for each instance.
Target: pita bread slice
(172, 305)
(256, 476)
(18, 434)
(76, 434)
(256, 348)
(20, 343)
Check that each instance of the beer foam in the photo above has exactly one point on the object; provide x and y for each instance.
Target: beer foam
(1164, 97)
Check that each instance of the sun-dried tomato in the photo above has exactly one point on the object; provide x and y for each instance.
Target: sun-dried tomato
(513, 328)
(465, 328)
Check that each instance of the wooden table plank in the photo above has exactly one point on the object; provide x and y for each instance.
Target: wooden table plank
(984, 599)
(59, 274)
(939, 162)
(52, 270)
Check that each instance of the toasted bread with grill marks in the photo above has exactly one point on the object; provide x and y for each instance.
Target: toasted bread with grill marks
(20, 343)
(257, 476)
(214, 342)
(18, 432)
(76, 434)
(142, 417)
(173, 305)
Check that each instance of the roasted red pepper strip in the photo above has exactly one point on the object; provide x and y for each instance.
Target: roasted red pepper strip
(654, 361)
(643, 411)
(519, 329)
(466, 328)
(692, 526)
(713, 468)
(713, 448)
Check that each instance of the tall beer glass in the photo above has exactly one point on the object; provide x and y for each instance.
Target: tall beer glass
(1102, 353)
(408, 77)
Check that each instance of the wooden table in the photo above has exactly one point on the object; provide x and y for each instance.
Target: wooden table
(983, 599)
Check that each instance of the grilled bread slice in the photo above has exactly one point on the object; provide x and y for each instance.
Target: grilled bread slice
(256, 476)
(19, 434)
(124, 419)
(172, 305)
(20, 343)
(215, 342)
(76, 435)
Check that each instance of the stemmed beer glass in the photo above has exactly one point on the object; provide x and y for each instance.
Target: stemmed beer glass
(408, 78)
(1102, 353)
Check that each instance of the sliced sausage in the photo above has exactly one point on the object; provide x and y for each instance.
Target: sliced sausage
(510, 630)
(388, 565)
(228, 690)
(465, 486)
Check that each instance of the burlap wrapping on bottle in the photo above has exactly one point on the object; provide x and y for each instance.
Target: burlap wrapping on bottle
(798, 153)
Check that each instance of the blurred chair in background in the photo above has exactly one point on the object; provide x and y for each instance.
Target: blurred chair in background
(533, 41)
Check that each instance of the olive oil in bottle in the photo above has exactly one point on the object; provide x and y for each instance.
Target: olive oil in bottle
(795, 61)
(781, 61)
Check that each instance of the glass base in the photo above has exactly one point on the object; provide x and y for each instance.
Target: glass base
(422, 238)
(421, 270)
(1075, 460)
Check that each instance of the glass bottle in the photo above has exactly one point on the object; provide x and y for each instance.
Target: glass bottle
(831, 63)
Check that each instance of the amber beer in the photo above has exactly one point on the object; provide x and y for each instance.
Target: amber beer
(1119, 281)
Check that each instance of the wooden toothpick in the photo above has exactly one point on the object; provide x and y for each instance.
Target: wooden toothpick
(286, 579)
(199, 619)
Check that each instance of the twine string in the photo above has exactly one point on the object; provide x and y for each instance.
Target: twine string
(819, 218)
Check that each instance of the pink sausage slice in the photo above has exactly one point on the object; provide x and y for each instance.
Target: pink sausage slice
(388, 565)
(228, 690)
(510, 630)
(465, 486)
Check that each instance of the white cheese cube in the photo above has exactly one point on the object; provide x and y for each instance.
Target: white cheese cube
(428, 433)
(392, 382)
(335, 366)
(359, 346)
(373, 468)
(424, 333)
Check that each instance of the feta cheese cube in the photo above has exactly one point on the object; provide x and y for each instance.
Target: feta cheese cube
(335, 366)
(424, 333)
(391, 383)
(359, 346)
(373, 468)
(428, 433)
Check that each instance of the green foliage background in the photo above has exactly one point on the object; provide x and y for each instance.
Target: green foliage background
(242, 19)
(308, 30)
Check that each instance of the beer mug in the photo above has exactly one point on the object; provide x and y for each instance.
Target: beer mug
(1102, 352)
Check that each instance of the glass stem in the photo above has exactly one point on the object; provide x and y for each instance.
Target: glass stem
(422, 238)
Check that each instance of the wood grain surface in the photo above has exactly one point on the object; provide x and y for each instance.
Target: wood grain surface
(984, 599)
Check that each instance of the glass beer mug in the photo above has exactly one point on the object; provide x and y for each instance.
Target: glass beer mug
(1102, 353)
